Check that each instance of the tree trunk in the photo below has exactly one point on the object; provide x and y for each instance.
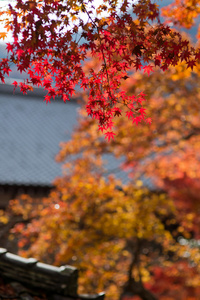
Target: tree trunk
(136, 288)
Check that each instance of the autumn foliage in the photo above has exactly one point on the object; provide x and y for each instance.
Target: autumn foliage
(136, 240)
(52, 40)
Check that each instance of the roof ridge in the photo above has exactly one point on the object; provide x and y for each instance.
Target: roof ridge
(61, 280)
(8, 88)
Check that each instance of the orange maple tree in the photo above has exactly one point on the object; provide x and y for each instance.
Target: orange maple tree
(124, 238)
(52, 40)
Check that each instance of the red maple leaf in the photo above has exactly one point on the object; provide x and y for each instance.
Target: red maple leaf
(6, 70)
(129, 114)
(9, 47)
(148, 120)
(191, 64)
(117, 112)
(138, 65)
(142, 110)
(148, 69)
(47, 99)
(19, 53)
(65, 98)
(137, 120)
(109, 135)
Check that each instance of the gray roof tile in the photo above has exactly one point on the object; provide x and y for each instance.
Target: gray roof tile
(30, 133)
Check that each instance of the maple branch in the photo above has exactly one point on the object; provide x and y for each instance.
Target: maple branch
(104, 60)
(194, 132)
(100, 40)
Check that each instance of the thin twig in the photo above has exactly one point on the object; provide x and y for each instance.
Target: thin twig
(104, 59)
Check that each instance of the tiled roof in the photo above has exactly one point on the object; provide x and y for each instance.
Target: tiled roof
(30, 133)
(38, 278)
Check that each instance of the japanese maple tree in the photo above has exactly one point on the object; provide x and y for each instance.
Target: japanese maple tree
(52, 40)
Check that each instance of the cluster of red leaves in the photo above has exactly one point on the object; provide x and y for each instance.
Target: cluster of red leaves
(49, 51)
(182, 278)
